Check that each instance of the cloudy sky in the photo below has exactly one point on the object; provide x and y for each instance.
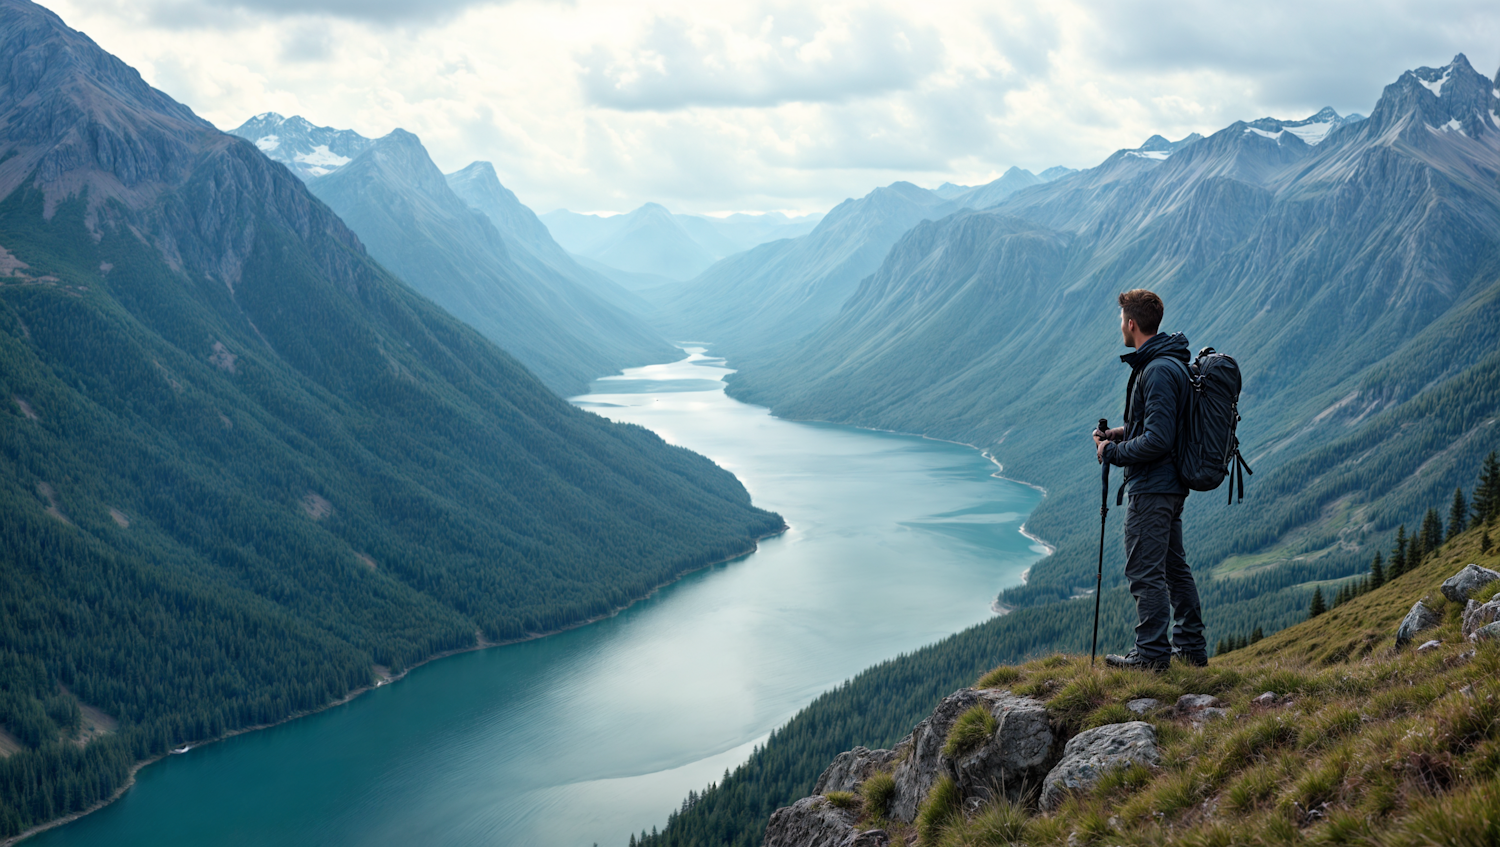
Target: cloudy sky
(756, 105)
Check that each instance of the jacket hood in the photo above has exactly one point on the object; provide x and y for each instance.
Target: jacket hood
(1160, 344)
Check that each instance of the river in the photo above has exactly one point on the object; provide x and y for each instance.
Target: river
(583, 737)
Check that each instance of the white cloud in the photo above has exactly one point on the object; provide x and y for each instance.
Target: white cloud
(768, 104)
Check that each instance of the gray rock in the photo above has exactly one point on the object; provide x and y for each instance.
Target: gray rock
(851, 769)
(1419, 618)
(1478, 614)
(1266, 699)
(1143, 705)
(1016, 757)
(810, 822)
(1094, 753)
(1429, 645)
(1188, 703)
(1488, 632)
(1020, 747)
(1459, 586)
(1208, 713)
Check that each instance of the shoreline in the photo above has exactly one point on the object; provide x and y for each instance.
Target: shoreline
(480, 644)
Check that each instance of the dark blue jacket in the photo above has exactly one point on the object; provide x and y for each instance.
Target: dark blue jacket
(1155, 401)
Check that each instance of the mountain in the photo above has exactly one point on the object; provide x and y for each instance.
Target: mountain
(1357, 281)
(308, 150)
(653, 246)
(244, 469)
(990, 193)
(769, 295)
(527, 239)
(398, 202)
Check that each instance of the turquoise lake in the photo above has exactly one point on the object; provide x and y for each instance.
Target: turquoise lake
(584, 737)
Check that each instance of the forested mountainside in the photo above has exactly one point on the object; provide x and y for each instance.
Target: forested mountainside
(243, 468)
(567, 324)
(1358, 282)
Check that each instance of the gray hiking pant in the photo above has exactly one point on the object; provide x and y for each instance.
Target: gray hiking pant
(1160, 580)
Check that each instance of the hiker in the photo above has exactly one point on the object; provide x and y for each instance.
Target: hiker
(1155, 564)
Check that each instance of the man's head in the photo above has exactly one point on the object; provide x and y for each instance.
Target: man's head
(1140, 315)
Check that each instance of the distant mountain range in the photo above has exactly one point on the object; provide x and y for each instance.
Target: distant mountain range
(483, 256)
(653, 246)
(244, 468)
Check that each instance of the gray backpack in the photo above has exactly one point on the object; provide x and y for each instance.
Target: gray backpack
(1208, 444)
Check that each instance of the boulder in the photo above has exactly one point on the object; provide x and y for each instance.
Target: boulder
(1428, 646)
(1265, 700)
(1459, 586)
(1419, 618)
(1488, 632)
(1143, 705)
(1095, 752)
(1010, 756)
(810, 822)
(1478, 614)
(851, 769)
(868, 838)
(1015, 758)
(1206, 714)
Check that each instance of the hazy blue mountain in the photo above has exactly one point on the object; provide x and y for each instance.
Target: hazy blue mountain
(652, 244)
(529, 242)
(295, 142)
(991, 193)
(779, 291)
(402, 207)
(1056, 172)
(244, 469)
(1355, 280)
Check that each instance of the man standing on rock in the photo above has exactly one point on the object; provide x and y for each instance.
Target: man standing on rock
(1155, 564)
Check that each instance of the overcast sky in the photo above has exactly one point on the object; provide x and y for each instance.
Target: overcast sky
(751, 105)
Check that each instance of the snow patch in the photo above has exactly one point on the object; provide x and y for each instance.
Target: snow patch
(267, 143)
(1453, 125)
(1151, 154)
(322, 156)
(1311, 133)
(1263, 134)
(1437, 87)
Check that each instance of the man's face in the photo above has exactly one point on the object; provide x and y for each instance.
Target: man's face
(1125, 327)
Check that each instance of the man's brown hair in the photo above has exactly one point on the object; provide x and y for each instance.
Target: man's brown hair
(1143, 307)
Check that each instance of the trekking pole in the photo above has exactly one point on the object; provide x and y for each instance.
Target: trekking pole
(1103, 515)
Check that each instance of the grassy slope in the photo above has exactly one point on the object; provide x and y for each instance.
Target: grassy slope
(1376, 745)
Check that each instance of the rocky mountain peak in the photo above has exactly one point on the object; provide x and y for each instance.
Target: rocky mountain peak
(1440, 101)
(1158, 147)
(309, 150)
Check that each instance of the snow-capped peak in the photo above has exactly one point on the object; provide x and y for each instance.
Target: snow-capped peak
(309, 150)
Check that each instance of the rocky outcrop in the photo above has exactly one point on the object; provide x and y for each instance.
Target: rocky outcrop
(1478, 614)
(1143, 705)
(1016, 753)
(851, 769)
(1419, 618)
(1096, 752)
(1488, 632)
(810, 822)
(1459, 586)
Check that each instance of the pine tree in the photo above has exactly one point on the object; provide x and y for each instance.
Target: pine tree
(1377, 571)
(1257, 635)
(1487, 492)
(1221, 648)
(1458, 515)
(1398, 555)
(1317, 607)
(1484, 542)
(1432, 535)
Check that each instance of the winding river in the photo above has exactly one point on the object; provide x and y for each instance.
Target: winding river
(583, 737)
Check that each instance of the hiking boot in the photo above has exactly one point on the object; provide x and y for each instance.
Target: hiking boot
(1134, 659)
(1197, 660)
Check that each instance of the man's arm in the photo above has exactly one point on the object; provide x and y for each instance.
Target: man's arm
(1160, 434)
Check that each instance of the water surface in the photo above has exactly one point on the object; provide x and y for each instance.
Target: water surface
(585, 736)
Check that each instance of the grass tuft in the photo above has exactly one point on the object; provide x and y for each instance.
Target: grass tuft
(943, 806)
(973, 729)
(879, 791)
(999, 677)
(845, 800)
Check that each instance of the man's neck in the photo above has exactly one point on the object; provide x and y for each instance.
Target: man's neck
(1141, 342)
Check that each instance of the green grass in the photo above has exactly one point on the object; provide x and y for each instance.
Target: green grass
(972, 729)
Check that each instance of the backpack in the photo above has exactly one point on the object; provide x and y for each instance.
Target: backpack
(1208, 446)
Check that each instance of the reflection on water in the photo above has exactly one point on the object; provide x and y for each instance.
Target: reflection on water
(583, 737)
